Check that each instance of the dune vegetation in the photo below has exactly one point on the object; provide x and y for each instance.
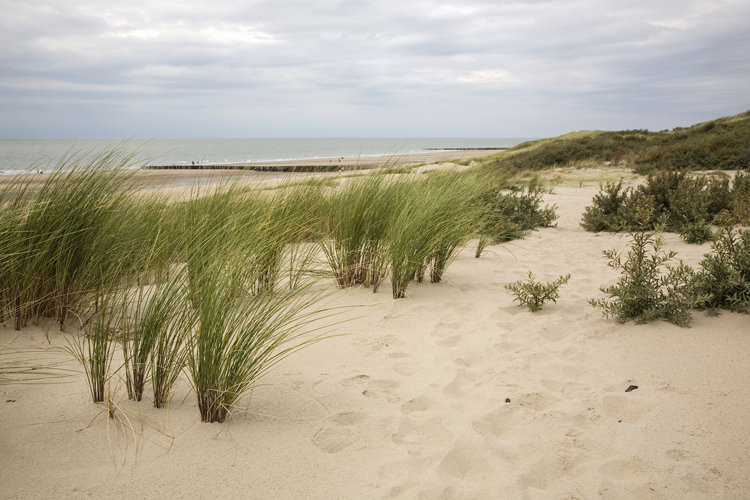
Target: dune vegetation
(222, 285)
(721, 144)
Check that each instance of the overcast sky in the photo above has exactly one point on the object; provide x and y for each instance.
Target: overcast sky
(359, 68)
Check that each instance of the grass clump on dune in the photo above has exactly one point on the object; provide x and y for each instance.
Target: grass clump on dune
(62, 240)
(359, 214)
(238, 338)
(397, 225)
(96, 348)
(435, 220)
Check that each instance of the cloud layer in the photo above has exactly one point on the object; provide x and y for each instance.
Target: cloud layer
(368, 68)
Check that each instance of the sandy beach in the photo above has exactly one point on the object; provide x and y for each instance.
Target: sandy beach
(454, 392)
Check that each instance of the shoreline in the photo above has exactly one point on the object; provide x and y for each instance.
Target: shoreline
(347, 162)
(183, 177)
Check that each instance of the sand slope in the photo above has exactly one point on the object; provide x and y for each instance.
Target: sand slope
(414, 404)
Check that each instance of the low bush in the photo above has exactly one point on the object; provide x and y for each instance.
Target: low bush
(677, 201)
(506, 216)
(534, 294)
(615, 208)
(725, 272)
(696, 232)
(649, 287)
(740, 205)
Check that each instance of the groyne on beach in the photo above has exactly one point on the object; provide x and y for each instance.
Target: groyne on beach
(334, 164)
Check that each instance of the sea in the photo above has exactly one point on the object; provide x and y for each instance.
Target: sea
(19, 154)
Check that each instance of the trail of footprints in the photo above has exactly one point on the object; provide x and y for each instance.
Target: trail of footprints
(519, 397)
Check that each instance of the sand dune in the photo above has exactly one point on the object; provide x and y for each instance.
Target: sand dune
(453, 392)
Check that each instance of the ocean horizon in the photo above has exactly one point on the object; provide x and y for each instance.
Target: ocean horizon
(18, 154)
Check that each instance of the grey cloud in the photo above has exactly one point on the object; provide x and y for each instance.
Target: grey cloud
(329, 61)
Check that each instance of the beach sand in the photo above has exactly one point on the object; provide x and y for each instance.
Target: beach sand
(454, 392)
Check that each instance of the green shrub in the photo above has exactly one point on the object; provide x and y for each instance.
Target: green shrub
(534, 294)
(648, 287)
(740, 204)
(725, 272)
(676, 200)
(504, 217)
(616, 209)
(696, 232)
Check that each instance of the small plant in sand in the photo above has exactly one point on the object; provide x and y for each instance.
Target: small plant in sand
(534, 294)
(648, 287)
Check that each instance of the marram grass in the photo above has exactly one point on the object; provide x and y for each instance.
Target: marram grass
(220, 286)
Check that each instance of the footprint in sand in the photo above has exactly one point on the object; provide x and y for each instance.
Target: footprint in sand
(382, 389)
(450, 341)
(551, 474)
(628, 408)
(466, 460)
(418, 404)
(496, 422)
(504, 325)
(373, 389)
(460, 385)
(556, 333)
(624, 470)
(356, 380)
(536, 401)
(339, 434)
(420, 435)
(448, 327)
